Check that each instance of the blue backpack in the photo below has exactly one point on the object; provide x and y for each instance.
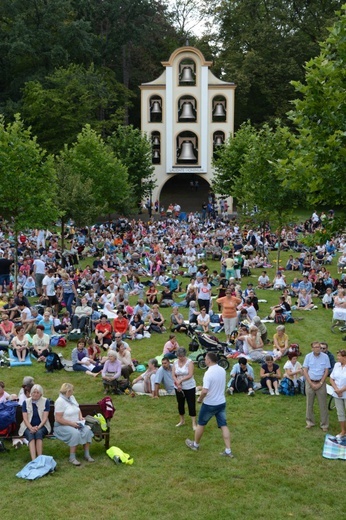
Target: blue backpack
(286, 386)
(8, 411)
(53, 362)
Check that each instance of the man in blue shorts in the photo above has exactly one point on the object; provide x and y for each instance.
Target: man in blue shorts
(214, 404)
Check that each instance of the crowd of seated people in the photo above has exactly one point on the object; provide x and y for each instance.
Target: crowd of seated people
(142, 261)
(137, 259)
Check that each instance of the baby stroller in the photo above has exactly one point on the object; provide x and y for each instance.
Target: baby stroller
(209, 344)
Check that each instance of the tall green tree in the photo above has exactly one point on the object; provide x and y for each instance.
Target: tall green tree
(27, 179)
(70, 98)
(91, 161)
(230, 159)
(252, 161)
(76, 197)
(318, 159)
(263, 45)
(134, 151)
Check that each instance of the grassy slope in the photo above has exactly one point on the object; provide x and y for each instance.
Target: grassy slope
(278, 471)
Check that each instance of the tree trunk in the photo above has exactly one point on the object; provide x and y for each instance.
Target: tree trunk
(279, 251)
(62, 234)
(15, 259)
(126, 78)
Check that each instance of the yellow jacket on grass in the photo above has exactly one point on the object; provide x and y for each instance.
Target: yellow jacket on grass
(117, 454)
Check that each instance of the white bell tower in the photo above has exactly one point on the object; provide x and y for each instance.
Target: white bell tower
(187, 113)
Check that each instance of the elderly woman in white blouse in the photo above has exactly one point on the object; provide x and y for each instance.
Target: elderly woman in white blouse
(69, 424)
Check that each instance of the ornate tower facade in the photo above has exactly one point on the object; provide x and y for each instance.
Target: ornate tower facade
(187, 113)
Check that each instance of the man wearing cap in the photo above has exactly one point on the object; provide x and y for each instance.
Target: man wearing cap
(305, 284)
(316, 368)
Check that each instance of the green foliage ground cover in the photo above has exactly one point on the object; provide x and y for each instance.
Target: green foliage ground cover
(278, 471)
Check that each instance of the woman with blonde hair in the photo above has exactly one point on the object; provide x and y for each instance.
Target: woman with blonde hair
(69, 425)
(35, 423)
(280, 340)
(253, 344)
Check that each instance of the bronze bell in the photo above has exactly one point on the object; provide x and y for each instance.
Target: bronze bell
(219, 110)
(218, 141)
(187, 153)
(156, 154)
(187, 111)
(156, 107)
(187, 75)
(156, 141)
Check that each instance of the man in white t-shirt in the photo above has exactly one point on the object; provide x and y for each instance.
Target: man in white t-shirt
(39, 273)
(263, 281)
(48, 289)
(214, 404)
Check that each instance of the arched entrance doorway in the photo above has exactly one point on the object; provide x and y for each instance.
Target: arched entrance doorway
(187, 190)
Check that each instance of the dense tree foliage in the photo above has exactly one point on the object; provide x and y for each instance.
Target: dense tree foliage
(318, 158)
(27, 178)
(248, 167)
(134, 150)
(276, 169)
(264, 44)
(36, 36)
(69, 99)
(91, 160)
(230, 159)
(129, 37)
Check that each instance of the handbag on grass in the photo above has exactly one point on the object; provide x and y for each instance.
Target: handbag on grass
(333, 448)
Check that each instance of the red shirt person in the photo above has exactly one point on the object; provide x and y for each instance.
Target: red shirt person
(103, 331)
(120, 323)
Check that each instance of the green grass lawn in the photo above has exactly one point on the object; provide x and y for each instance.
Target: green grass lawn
(278, 471)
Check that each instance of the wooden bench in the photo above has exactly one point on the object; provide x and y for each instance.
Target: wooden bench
(86, 409)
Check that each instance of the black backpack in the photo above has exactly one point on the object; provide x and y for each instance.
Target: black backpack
(53, 362)
(193, 346)
(241, 383)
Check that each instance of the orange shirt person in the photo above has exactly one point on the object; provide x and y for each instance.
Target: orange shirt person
(229, 306)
